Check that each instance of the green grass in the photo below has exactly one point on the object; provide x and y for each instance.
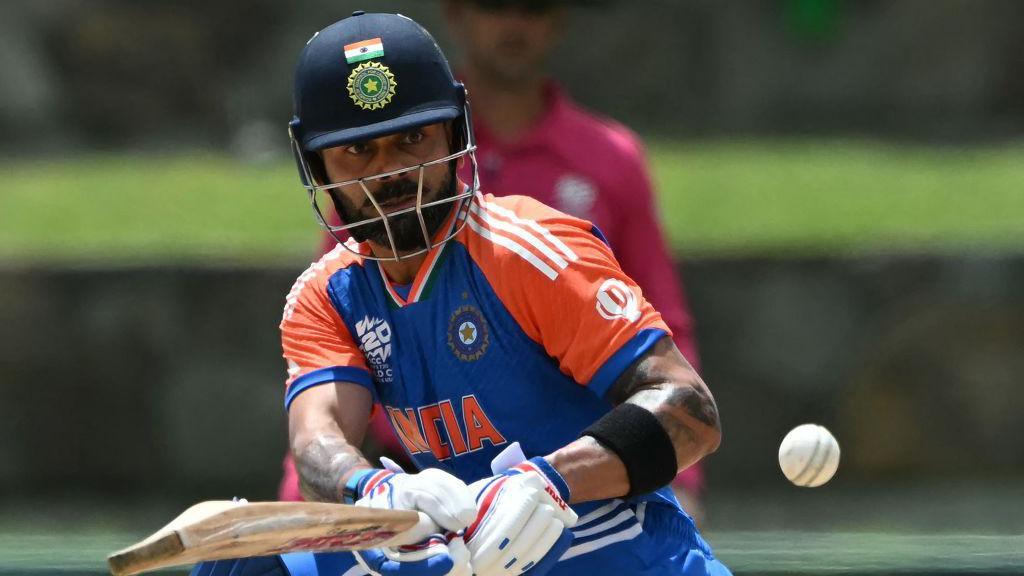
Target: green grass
(153, 208)
(868, 553)
(839, 198)
(745, 198)
(779, 552)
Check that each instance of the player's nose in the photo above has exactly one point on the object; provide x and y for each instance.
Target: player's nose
(387, 162)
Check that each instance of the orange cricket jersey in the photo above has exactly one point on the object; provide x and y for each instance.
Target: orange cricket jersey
(514, 330)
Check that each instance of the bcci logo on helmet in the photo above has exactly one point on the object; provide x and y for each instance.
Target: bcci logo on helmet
(616, 300)
(375, 341)
(371, 85)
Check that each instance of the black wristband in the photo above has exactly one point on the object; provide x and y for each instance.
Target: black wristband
(643, 445)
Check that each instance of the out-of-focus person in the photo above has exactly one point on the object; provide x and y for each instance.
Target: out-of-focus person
(534, 140)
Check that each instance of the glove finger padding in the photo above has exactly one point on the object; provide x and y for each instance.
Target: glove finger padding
(442, 496)
(518, 523)
(506, 505)
(436, 555)
(421, 531)
(546, 563)
(461, 557)
(433, 554)
(539, 534)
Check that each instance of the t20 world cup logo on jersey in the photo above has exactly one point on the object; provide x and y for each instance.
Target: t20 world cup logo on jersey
(375, 341)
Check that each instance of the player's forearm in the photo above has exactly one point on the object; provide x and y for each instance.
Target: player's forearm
(591, 471)
(663, 384)
(324, 462)
(325, 426)
(689, 416)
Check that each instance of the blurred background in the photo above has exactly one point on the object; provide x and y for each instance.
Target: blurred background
(842, 182)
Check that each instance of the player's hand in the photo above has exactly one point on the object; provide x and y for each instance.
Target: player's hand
(523, 522)
(436, 555)
(443, 501)
(442, 497)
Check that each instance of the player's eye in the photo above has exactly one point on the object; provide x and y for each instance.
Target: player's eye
(357, 148)
(414, 137)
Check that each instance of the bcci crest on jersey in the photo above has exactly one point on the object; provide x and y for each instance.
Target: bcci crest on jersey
(468, 334)
(375, 341)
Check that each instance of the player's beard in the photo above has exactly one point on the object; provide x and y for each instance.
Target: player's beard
(405, 228)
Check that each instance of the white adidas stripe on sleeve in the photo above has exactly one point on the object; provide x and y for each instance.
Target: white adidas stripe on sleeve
(502, 211)
(521, 232)
(512, 245)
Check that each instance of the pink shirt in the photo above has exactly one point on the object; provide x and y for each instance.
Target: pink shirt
(593, 168)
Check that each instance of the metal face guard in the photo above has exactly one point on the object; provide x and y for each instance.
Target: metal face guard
(316, 191)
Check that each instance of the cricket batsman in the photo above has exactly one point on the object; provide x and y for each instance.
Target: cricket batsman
(538, 393)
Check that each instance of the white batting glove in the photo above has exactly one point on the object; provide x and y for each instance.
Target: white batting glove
(437, 555)
(442, 497)
(443, 502)
(523, 522)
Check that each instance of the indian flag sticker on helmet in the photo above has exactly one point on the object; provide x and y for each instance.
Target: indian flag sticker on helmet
(359, 51)
(371, 85)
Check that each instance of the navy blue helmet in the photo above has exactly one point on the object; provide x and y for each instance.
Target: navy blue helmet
(368, 76)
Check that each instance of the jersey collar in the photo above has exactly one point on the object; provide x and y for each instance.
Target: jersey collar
(425, 275)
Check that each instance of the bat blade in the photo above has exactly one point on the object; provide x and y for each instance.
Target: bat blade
(222, 529)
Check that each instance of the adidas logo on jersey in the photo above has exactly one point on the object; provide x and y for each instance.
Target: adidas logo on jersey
(375, 341)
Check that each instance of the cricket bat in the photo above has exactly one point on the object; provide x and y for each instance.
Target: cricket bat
(222, 529)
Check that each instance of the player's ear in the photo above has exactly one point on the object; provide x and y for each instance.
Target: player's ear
(455, 137)
(317, 167)
(456, 141)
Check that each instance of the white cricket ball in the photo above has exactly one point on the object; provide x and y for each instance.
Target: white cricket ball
(809, 455)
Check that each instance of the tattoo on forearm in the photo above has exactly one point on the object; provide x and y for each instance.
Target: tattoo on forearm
(322, 463)
(649, 370)
(662, 382)
(681, 435)
(695, 402)
(672, 406)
